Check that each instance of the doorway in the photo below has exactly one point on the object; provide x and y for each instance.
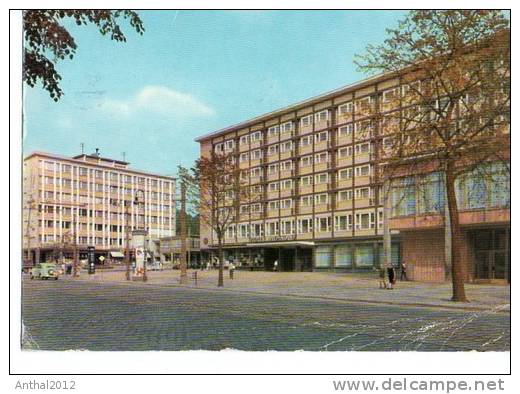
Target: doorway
(492, 257)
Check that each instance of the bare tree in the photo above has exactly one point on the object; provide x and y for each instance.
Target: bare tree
(216, 189)
(451, 111)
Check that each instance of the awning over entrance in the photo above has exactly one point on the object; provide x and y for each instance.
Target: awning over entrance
(283, 243)
(117, 254)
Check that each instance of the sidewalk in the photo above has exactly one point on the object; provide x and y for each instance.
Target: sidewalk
(359, 288)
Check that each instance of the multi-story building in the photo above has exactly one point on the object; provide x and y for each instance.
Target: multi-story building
(89, 200)
(317, 166)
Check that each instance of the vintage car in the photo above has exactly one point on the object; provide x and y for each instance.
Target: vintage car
(44, 271)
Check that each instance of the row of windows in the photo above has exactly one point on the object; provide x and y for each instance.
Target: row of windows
(48, 194)
(360, 193)
(365, 106)
(288, 146)
(100, 174)
(50, 238)
(99, 187)
(67, 211)
(342, 222)
(97, 226)
(346, 173)
(486, 187)
(362, 129)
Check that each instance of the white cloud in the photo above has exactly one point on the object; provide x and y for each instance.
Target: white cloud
(160, 100)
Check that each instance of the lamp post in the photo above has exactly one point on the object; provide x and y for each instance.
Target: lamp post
(141, 201)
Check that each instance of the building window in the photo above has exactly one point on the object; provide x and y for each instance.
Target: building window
(363, 148)
(306, 181)
(306, 201)
(273, 186)
(244, 230)
(343, 256)
(345, 174)
(321, 178)
(321, 137)
(343, 222)
(244, 140)
(244, 157)
(365, 221)
(274, 205)
(286, 147)
(286, 204)
(306, 161)
(362, 193)
(363, 170)
(287, 227)
(321, 199)
(321, 157)
(286, 127)
(365, 256)
(306, 141)
(306, 121)
(272, 228)
(273, 168)
(321, 116)
(286, 184)
(323, 256)
(256, 136)
(256, 154)
(273, 150)
(323, 224)
(345, 195)
(345, 109)
(304, 225)
(273, 131)
(346, 131)
(345, 152)
(286, 165)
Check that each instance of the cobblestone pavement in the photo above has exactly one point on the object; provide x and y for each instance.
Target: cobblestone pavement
(359, 287)
(103, 315)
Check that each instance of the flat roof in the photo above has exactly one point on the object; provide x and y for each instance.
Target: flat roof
(299, 105)
(100, 158)
(103, 164)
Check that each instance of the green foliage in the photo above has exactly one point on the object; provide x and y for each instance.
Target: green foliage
(45, 38)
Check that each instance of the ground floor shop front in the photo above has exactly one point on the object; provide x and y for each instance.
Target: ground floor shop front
(485, 253)
(335, 255)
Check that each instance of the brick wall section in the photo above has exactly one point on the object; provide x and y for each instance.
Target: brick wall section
(423, 251)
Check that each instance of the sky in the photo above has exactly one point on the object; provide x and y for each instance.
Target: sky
(191, 73)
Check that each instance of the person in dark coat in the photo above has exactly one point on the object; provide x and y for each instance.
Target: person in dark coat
(391, 277)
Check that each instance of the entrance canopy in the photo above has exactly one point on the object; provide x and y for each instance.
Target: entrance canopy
(282, 243)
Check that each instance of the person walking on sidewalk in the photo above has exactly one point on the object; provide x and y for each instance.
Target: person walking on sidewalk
(231, 270)
(403, 271)
(391, 277)
(275, 266)
(382, 278)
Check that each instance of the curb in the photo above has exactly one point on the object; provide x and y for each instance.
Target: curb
(292, 295)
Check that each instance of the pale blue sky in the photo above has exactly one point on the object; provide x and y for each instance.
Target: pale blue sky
(193, 72)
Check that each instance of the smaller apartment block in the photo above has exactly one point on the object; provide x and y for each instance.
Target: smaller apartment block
(89, 200)
(316, 165)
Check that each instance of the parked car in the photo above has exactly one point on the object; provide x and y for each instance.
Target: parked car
(155, 266)
(44, 271)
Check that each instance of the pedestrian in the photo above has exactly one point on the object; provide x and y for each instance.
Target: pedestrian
(382, 278)
(403, 271)
(275, 266)
(231, 270)
(208, 266)
(391, 277)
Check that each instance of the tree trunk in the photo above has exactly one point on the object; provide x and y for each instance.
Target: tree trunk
(220, 263)
(458, 269)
